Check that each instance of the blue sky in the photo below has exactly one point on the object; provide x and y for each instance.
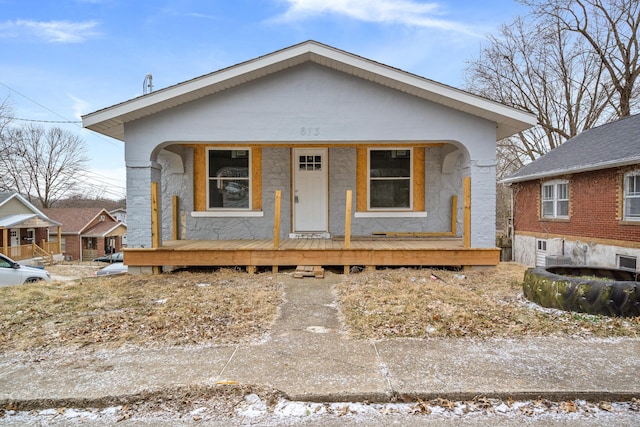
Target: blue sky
(60, 59)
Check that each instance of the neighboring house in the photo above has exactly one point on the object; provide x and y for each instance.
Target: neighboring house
(119, 214)
(25, 229)
(88, 233)
(580, 203)
(313, 123)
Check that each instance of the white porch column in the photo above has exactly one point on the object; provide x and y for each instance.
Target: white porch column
(140, 175)
(483, 203)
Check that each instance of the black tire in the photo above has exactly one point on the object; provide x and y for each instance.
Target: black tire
(574, 290)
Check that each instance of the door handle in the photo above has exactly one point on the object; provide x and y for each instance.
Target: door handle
(295, 199)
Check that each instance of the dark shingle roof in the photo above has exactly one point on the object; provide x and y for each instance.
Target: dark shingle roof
(607, 146)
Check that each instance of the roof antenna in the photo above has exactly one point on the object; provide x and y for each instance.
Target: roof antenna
(147, 84)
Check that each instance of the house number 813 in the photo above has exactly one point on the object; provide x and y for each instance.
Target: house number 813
(305, 131)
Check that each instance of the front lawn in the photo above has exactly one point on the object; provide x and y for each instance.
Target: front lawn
(169, 309)
(424, 303)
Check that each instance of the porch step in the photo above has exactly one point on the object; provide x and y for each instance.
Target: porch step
(41, 261)
(309, 271)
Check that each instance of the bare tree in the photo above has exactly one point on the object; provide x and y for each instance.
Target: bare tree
(6, 114)
(610, 29)
(537, 67)
(44, 165)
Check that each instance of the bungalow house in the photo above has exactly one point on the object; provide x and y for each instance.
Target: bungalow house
(580, 203)
(88, 233)
(25, 230)
(310, 156)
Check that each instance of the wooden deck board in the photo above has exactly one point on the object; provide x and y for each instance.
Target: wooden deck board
(294, 252)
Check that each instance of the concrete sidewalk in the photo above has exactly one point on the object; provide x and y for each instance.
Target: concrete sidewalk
(309, 359)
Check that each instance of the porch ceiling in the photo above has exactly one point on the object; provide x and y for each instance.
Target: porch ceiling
(110, 121)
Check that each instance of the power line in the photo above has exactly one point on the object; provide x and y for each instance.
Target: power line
(45, 121)
(66, 119)
(35, 102)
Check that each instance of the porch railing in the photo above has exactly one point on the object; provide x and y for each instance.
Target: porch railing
(22, 252)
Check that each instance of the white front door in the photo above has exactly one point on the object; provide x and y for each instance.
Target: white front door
(310, 190)
(15, 242)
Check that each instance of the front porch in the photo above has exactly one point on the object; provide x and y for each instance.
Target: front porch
(366, 252)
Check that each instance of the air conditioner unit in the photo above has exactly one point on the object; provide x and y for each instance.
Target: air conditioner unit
(553, 260)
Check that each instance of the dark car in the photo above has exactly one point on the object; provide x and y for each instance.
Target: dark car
(114, 257)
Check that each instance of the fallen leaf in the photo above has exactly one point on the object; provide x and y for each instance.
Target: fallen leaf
(605, 406)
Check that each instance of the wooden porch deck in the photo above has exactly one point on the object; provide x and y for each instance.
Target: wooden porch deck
(368, 252)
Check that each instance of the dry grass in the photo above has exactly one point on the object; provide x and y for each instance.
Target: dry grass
(230, 307)
(169, 309)
(486, 303)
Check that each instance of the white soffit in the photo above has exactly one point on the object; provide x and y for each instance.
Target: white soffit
(110, 121)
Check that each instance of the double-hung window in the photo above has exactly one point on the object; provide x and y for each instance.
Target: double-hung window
(632, 196)
(390, 179)
(228, 179)
(555, 199)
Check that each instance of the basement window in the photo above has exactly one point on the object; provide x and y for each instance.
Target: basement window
(626, 262)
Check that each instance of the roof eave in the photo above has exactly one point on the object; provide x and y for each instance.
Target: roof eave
(581, 169)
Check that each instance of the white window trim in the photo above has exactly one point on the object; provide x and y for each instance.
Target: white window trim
(411, 179)
(226, 214)
(555, 184)
(208, 178)
(390, 214)
(625, 189)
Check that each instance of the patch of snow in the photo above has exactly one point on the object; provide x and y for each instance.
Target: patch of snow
(252, 407)
(318, 329)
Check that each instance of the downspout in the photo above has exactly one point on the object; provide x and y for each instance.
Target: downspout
(511, 225)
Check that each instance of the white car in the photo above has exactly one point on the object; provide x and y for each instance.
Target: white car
(112, 269)
(12, 273)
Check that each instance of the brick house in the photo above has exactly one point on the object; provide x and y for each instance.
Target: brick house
(580, 203)
(88, 233)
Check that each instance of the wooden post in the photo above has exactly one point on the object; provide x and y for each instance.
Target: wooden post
(454, 214)
(347, 226)
(155, 222)
(175, 218)
(467, 212)
(276, 220)
(5, 241)
(347, 221)
(60, 239)
(155, 218)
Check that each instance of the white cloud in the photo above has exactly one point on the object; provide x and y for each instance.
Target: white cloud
(404, 12)
(80, 107)
(51, 31)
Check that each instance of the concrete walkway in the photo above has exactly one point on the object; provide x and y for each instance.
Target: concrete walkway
(309, 358)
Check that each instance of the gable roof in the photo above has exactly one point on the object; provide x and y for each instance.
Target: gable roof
(110, 121)
(36, 218)
(611, 145)
(103, 229)
(78, 220)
